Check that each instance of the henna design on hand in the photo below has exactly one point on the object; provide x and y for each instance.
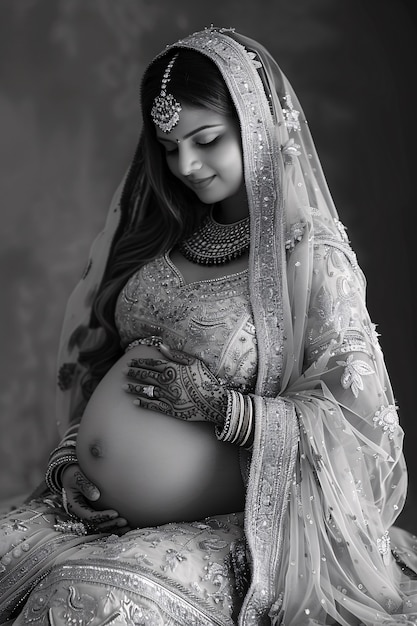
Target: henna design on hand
(87, 488)
(186, 390)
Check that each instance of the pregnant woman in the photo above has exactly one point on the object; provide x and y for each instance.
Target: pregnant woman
(231, 451)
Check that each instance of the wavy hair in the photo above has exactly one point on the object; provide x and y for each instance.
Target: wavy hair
(157, 210)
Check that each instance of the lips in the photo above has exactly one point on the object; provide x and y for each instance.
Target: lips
(200, 183)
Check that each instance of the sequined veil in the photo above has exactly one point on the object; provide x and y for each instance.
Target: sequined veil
(327, 477)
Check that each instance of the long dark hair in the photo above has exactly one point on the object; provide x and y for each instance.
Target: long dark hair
(168, 210)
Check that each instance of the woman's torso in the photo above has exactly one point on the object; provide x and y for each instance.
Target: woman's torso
(167, 469)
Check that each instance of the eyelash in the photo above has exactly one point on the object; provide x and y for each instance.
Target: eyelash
(200, 144)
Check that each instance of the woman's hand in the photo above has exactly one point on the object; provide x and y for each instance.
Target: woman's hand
(179, 385)
(80, 492)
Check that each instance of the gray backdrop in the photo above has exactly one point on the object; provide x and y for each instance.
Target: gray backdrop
(69, 76)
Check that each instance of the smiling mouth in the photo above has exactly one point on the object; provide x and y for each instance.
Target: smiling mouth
(201, 183)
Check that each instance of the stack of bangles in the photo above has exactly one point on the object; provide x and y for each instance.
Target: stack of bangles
(239, 422)
(60, 458)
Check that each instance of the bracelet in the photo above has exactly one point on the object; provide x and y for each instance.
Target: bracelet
(221, 432)
(153, 340)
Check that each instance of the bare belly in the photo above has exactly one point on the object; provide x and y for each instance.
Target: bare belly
(150, 467)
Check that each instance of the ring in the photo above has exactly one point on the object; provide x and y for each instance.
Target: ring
(149, 391)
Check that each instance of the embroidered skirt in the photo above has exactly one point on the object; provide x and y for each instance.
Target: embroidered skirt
(175, 574)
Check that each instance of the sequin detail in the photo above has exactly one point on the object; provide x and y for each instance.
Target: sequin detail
(384, 546)
(291, 115)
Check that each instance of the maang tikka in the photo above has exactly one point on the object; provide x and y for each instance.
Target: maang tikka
(166, 110)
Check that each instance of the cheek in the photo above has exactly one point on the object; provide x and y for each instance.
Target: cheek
(233, 166)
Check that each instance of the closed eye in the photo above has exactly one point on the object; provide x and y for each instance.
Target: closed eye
(210, 142)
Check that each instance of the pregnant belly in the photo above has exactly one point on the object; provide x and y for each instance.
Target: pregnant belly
(150, 467)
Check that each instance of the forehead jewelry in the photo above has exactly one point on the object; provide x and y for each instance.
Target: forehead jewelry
(165, 111)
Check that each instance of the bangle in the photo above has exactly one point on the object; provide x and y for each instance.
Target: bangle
(55, 468)
(238, 423)
(244, 422)
(240, 413)
(249, 422)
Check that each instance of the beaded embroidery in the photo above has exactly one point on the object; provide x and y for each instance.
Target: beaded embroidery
(387, 418)
(291, 115)
(384, 544)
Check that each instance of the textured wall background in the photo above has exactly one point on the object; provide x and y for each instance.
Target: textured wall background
(69, 76)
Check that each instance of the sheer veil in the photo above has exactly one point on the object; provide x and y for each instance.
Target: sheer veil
(327, 476)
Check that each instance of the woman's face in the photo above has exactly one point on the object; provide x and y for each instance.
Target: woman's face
(204, 152)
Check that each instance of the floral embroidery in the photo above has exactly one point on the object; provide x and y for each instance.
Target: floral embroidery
(80, 608)
(294, 235)
(291, 115)
(387, 418)
(131, 613)
(172, 558)
(384, 543)
(352, 374)
(218, 575)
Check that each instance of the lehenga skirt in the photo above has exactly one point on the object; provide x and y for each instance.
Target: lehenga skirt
(175, 574)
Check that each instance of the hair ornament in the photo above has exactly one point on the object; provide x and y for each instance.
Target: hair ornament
(166, 109)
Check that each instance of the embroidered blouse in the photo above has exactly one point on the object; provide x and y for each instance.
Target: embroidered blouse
(210, 319)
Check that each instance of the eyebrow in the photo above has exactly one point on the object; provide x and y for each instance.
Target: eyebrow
(193, 132)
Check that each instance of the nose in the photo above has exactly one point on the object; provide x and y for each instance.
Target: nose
(188, 161)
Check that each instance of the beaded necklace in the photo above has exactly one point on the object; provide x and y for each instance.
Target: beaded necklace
(214, 243)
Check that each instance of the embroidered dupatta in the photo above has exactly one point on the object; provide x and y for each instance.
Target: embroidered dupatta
(327, 476)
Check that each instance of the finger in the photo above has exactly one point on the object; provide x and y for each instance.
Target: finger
(143, 375)
(150, 391)
(156, 365)
(78, 506)
(101, 523)
(87, 488)
(154, 405)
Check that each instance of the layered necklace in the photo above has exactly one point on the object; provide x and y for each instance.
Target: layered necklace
(213, 243)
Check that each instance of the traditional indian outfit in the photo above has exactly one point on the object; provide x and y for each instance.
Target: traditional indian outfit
(326, 478)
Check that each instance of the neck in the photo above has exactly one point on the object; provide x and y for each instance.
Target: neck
(233, 209)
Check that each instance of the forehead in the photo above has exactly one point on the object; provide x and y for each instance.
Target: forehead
(193, 118)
